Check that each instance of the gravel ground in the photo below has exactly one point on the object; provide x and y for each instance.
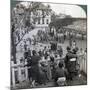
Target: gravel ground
(75, 82)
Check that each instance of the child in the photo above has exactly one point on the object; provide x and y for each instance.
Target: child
(60, 77)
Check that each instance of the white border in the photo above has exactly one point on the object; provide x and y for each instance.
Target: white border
(61, 1)
(5, 44)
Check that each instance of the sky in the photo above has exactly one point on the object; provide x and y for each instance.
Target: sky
(73, 10)
(68, 9)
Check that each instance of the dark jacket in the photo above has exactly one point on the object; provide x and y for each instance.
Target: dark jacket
(60, 72)
(70, 65)
(35, 68)
(34, 60)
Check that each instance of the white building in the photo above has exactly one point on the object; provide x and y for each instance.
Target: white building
(43, 17)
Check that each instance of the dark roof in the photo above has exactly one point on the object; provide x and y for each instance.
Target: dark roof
(43, 7)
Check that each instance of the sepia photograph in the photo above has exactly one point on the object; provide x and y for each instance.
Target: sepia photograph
(48, 45)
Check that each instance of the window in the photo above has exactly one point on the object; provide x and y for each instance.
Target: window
(47, 21)
(42, 20)
(39, 21)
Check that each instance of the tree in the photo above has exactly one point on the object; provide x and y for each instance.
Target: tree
(21, 19)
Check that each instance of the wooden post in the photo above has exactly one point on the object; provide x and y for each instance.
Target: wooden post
(13, 74)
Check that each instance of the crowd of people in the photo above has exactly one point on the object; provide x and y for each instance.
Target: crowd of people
(49, 65)
(60, 36)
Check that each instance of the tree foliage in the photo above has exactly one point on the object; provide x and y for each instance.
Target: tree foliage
(22, 22)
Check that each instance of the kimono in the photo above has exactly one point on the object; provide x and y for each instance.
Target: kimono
(70, 64)
(35, 68)
(43, 72)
